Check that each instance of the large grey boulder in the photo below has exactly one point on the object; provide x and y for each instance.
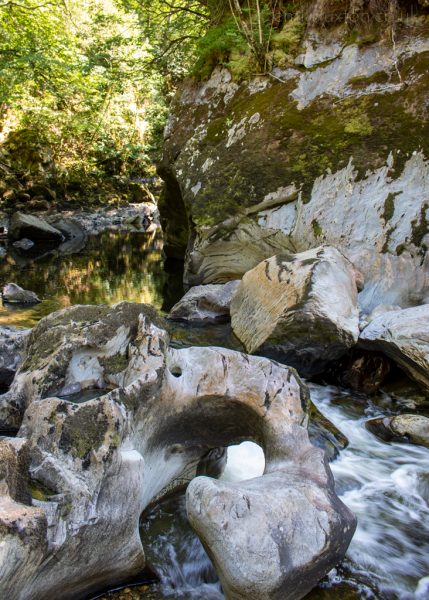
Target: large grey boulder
(404, 336)
(75, 236)
(401, 428)
(205, 303)
(12, 343)
(33, 228)
(76, 480)
(14, 294)
(300, 308)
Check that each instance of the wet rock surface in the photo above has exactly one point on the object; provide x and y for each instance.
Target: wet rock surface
(300, 308)
(403, 336)
(205, 304)
(87, 471)
(401, 428)
(33, 228)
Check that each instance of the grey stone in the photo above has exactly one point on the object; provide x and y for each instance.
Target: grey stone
(12, 344)
(401, 428)
(205, 303)
(299, 308)
(92, 468)
(14, 294)
(33, 228)
(403, 335)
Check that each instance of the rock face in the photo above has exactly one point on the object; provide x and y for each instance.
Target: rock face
(33, 228)
(205, 304)
(403, 335)
(75, 481)
(12, 342)
(300, 308)
(75, 236)
(332, 151)
(402, 428)
(14, 294)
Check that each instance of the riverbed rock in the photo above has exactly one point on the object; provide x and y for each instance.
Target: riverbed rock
(324, 152)
(403, 335)
(381, 309)
(75, 236)
(205, 304)
(12, 344)
(14, 294)
(33, 228)
(24, 244)
(401, 428)
(298, 308)
(87, 471)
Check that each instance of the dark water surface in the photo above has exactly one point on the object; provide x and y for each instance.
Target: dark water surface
(111, 268)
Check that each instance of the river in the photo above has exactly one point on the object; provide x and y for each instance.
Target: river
(385, 484)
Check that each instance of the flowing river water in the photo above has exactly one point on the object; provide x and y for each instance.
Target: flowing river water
(385, 484)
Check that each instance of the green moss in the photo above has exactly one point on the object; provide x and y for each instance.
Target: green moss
(360, 125)
(389, 206)
(114, 364)
(400, 249)
(297, 146)
(84, 430)
(290, 37)
(361, 82)
(317, 230)
(115, 440)
(420, 227)
(38, 491)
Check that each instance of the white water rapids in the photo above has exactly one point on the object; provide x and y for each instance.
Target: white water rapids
(385, 484)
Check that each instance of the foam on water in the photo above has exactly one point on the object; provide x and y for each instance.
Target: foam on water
(387, 486)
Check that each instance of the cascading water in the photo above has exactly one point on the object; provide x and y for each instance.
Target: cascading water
(385, 484)
(387, 487)
(172, 548)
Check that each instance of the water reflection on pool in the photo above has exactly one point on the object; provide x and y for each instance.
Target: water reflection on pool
(111, 268)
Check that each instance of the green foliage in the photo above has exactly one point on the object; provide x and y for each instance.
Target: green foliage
(85, 85)
(216, 47)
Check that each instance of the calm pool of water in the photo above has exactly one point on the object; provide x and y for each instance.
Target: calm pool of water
(111, 268)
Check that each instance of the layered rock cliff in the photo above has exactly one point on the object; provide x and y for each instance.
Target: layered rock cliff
(333, 150)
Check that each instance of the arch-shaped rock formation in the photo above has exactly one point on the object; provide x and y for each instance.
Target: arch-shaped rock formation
(76, 480)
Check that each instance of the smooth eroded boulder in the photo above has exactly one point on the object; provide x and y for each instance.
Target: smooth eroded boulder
(298, 308)
(14, 294)
(69, 524)
(205, 303)
(33, 228)
(401, 428)
(403, 335)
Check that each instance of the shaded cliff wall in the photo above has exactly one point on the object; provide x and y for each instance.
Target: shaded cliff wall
(332, 150)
